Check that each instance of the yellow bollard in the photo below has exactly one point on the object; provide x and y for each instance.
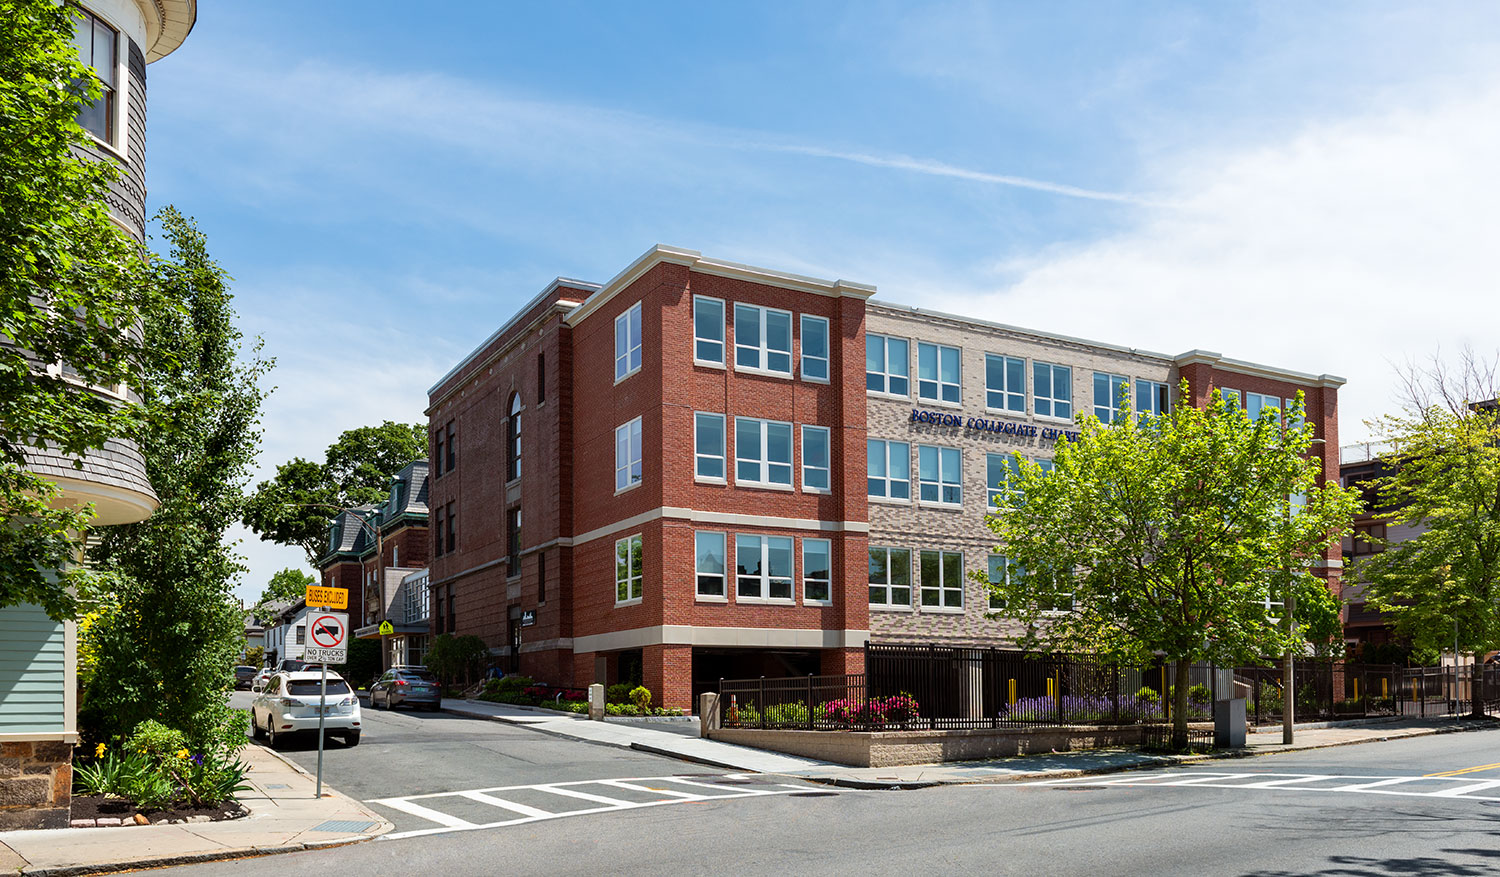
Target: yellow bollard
(1012, 692)
(1049, 686)
(1385, 688)
(1356, 688)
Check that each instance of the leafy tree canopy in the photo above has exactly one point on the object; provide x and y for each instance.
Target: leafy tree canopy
(294, 507)
(1443, 487)
(1180, 535)
(288, 585)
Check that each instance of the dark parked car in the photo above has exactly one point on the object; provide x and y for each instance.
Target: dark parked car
(244, 675)
(413, 686)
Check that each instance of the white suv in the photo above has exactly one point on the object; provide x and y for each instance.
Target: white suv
(289, 703)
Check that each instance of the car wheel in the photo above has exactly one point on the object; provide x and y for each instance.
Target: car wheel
(273, 739)
(351, 738)
(255, 729)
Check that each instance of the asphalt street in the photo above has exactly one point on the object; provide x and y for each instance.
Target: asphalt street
(1425, 806)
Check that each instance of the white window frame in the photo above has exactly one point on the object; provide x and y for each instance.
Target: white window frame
(1007, 394)
(632, 466)
(807, 578)
(887, 479)
(939, 385)
(764, 578)
(1255, 403)
(1116, 384)
(1233, 400)
(993, 491)
(1052, 400)
(885, 374)
(887, 586)
(762, 349)
(820, 326)
(635, 578)
(119, 144)
(763, 462)
(1148, 394)
(943, 484)
(699, 573)
(827, 469)
(944, 589)
(698, 339)
(700, 454)
(628, 349)
(989, 573)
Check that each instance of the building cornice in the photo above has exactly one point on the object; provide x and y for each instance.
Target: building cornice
(168, 23)
(1218, 362)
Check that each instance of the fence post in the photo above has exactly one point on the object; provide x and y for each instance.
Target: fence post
(762, 713)
(1114, 675)
(809, 702)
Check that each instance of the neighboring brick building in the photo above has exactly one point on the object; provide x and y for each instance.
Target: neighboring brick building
(679, 476)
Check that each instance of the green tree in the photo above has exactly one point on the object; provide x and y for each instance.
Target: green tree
(165, 647)
(293, 508)
(289, 585)
(71, 292)
(1174, 536)
(457, 657)
(1442, 482)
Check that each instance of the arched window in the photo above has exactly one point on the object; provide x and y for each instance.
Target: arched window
(513, 434)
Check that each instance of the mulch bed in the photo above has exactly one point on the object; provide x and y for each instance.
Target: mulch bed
(99, 810)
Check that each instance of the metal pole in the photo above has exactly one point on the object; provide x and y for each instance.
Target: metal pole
(1288, 689)
(322, 709)
(1455, 668)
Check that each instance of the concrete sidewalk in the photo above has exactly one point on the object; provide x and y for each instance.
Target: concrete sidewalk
(1025, 767)
(284, 817)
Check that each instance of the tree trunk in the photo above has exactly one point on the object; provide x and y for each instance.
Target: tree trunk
(1476, 688)
(1179, 705)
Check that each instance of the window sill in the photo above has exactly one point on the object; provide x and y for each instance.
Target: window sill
(765, 373)
(110, 149)
(943, 610)
(513, 482)
(956, 406)
(817, 602)
(886, 500)
(1005, 412)
(621, 490)
(894, 397)
(809, 380)
(945, 506)
(820, 491)
(761, 485)
(634, 602)
(1048, 418)
(767, 601)
(890, 607)
(710, 598)
(704, 479)
(708, 363)
(627, 376)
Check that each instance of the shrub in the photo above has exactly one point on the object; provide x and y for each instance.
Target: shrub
(621, 709)
(1200, 694)
(209, 780)
(1147, 693)
(618, 693)
(157, 742)
(641, 697)
(514, 682)
(787, 714)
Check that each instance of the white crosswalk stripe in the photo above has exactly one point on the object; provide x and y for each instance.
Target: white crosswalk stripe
(1453, 788)
(665, 789)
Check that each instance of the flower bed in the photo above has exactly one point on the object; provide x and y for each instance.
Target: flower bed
(108, 810)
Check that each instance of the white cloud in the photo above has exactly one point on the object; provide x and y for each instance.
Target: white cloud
(1354, 245)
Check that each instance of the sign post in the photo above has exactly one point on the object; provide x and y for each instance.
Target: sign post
(327, 643)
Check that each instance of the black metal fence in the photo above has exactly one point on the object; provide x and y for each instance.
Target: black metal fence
(1331, 690)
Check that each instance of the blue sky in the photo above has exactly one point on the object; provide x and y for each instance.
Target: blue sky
(1307, 185)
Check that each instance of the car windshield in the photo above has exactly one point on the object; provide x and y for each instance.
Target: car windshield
(306, 687)
(416, 676)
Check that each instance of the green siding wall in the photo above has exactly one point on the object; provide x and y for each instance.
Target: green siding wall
(32, 671)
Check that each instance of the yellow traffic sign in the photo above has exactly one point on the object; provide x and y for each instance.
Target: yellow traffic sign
(333, 598)
(387, 628)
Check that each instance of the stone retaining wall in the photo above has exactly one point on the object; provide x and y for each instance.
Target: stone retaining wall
(36, 784)
(892, 748)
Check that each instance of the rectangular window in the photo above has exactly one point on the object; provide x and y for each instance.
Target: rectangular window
(1294, 418)
(939, 475)
(890, 577)
(1152, 398)
(763, 567)
(710, 563)
(437, 453)
(628, 343)
(814, 348)
(1004, 383)
(708, 330)
(299, 635)
(763, 339)
(1231, 398)
(97, 45)
(1000, 472)
(999, 574)
(513, 543)
(437, 531)
(937, 373)
(541, 576)
(889, 465)
(1255, 403)
(708, 446)
(815, 465)
(452, 447)
(762, 452)
(887, 365)
(452, 529)
(1109, 394)
(942, 579)
(817, 571)
(1052, 388)
(628, 576)
(628, 455)
(541, 378)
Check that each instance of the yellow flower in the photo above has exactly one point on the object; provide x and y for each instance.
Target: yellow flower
(99, 751)
(182, 753)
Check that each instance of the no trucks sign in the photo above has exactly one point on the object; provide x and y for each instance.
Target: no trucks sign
(327, 638)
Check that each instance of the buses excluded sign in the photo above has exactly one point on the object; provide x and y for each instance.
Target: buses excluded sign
(332, 598)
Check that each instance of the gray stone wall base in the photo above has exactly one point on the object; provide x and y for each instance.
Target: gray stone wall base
(894, 748)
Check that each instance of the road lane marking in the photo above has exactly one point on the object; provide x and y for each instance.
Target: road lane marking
(427, 813)
(1464, 770)
(522, 809)
(622, 784)
(574, 793)
(1404, 786)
